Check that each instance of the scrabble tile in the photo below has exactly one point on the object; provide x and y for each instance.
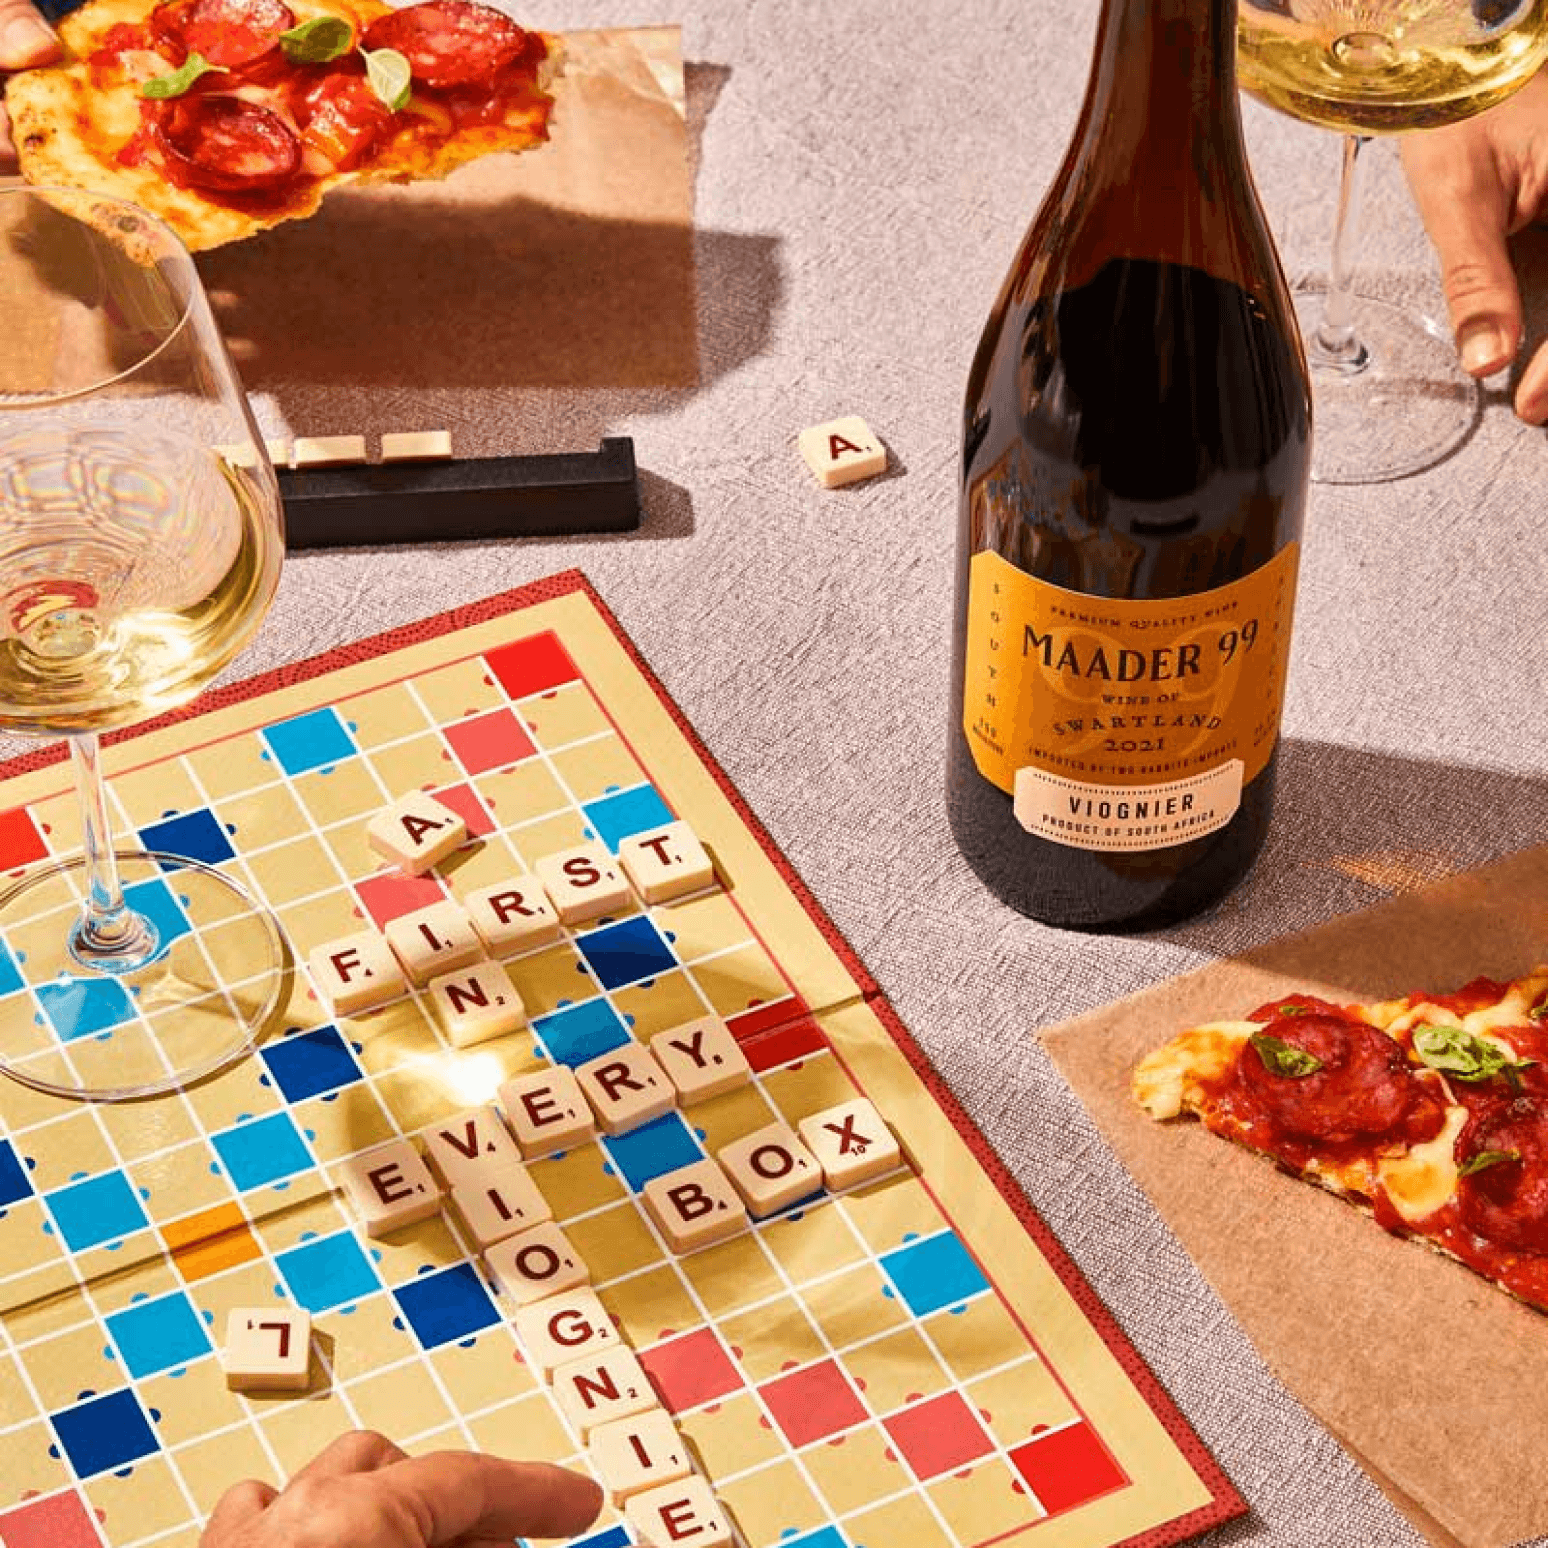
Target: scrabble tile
(771, 1169)
(416, 832)
(681, 1512)
(477, 1003)
(583, 883)
(547, 1111)
(641, 1452)
(841, 451)
(694, 1206)
(267, 1349)
(565, 1327)
(601, 1386)
(667, 863)
(468, 1145)
(535, 1265)
(851, 1142)
(626, 1088)
(328, 451)
(434, 940)
(416, 445)
(513, 916)
(500, 1204)
(355, 972)
(701, 1059)
(278, 449)
(389, 1186)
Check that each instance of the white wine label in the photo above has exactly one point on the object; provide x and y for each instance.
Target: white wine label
(1126, 816)
(1111, 692)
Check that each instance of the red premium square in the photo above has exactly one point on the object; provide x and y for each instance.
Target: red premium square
(938, 1436)
(391, 895)
(492, 741)
(20, 841)
(811, 1404)
(532, 666)
(782, 1045)
(691, 1370)
(1067, 1467)
(469, 806)
(61, 1521)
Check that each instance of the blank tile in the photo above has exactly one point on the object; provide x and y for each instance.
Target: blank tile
(682, 1512)
(600, 1386)
(547, 1111)
(477, 1003)
(539, 1263)
(852, 1143)
(328, 451)
(416, 832)
(841, 451)
(584, 883)
(641, 1452)
(267, 1349)
(416, 445)
(434, 940)
(500, 1204)
(564, 1327)
(667, 863)
(771, 1169)
(355, 972)
(389, 1187)
(701, 1059)
(626, 1088)
(694, 1206)
(513, 916)
(469, 1144)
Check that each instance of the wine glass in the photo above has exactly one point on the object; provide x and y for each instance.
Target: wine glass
(1390, 397)
(140, 544)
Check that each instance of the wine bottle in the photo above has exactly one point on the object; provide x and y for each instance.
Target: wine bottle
(1136, 451)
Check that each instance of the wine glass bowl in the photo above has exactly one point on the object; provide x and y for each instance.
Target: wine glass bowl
(140, 545)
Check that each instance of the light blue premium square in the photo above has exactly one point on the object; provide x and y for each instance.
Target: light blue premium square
(330, 1271)
(622, 814)
(263, 1150)
(653, 1149)
(97, 1209)
(934, 1272)
(310, 741)
(83, 1007)
(158, 1335)
(580, 1032)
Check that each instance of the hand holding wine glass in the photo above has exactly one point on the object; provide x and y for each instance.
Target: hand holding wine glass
(1476, 184)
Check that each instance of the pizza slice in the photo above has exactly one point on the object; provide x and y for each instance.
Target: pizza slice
(225, 117)
(1429, 1111)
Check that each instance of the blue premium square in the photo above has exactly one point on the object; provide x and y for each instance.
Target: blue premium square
(198, 835)
(622, 814)
(159, 904)
(447, 1306)
(98, 1209)
(626, 952)
(10, 975)
(331, 1271)
(310, 741)
(263, 1150)
(823, 1537)
(581, 1032)
(158, 1335)
(309, 1063)
(105, 1433)
(83, 1007)
(14, 1181)
(657, 1147)
(613, 1537)
(935, 1272)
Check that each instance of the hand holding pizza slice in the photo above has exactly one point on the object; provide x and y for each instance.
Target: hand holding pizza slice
(225, 117)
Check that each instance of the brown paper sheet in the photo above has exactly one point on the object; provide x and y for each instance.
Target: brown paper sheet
(569, 266)
(1435, 1382)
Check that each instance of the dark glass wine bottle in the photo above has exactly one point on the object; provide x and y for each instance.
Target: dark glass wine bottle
(1136, 450)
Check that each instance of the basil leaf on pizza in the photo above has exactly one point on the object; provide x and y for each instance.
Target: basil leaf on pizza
(1284, 1058)
(174, 84)
(390, 77)
(317, 41)
(1454, 1051)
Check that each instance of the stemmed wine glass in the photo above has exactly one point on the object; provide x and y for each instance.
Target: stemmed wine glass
(1389, 396)
(140, 544)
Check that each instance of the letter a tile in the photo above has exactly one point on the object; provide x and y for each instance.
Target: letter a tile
(841, 451)
(416, 833)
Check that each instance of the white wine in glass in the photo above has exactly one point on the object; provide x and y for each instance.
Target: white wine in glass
(141, 538)
(1391, 398)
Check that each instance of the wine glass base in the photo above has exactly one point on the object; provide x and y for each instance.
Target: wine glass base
(217, 981)
(1408, 406)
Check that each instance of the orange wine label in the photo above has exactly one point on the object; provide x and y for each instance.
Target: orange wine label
(1118, 724)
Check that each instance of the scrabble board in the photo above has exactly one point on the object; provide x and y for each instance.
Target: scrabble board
(913, 1360)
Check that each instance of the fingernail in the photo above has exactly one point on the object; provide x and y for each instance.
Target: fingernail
(25, 39)
(1482, 347)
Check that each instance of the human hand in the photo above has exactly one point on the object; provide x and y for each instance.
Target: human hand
(364, 1492)
(25, 40)
(1477, 183)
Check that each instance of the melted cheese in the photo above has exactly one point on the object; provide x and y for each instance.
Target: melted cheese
(1166, 1081)
(1426, 1178)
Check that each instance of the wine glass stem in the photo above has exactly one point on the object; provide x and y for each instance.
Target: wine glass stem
(1336, 345)
(109, 934)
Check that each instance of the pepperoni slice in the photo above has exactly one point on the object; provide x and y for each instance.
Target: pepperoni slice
(228, 33)
(1506, 1202)
(451, 42)
(227, 144)
(1364, 1085)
